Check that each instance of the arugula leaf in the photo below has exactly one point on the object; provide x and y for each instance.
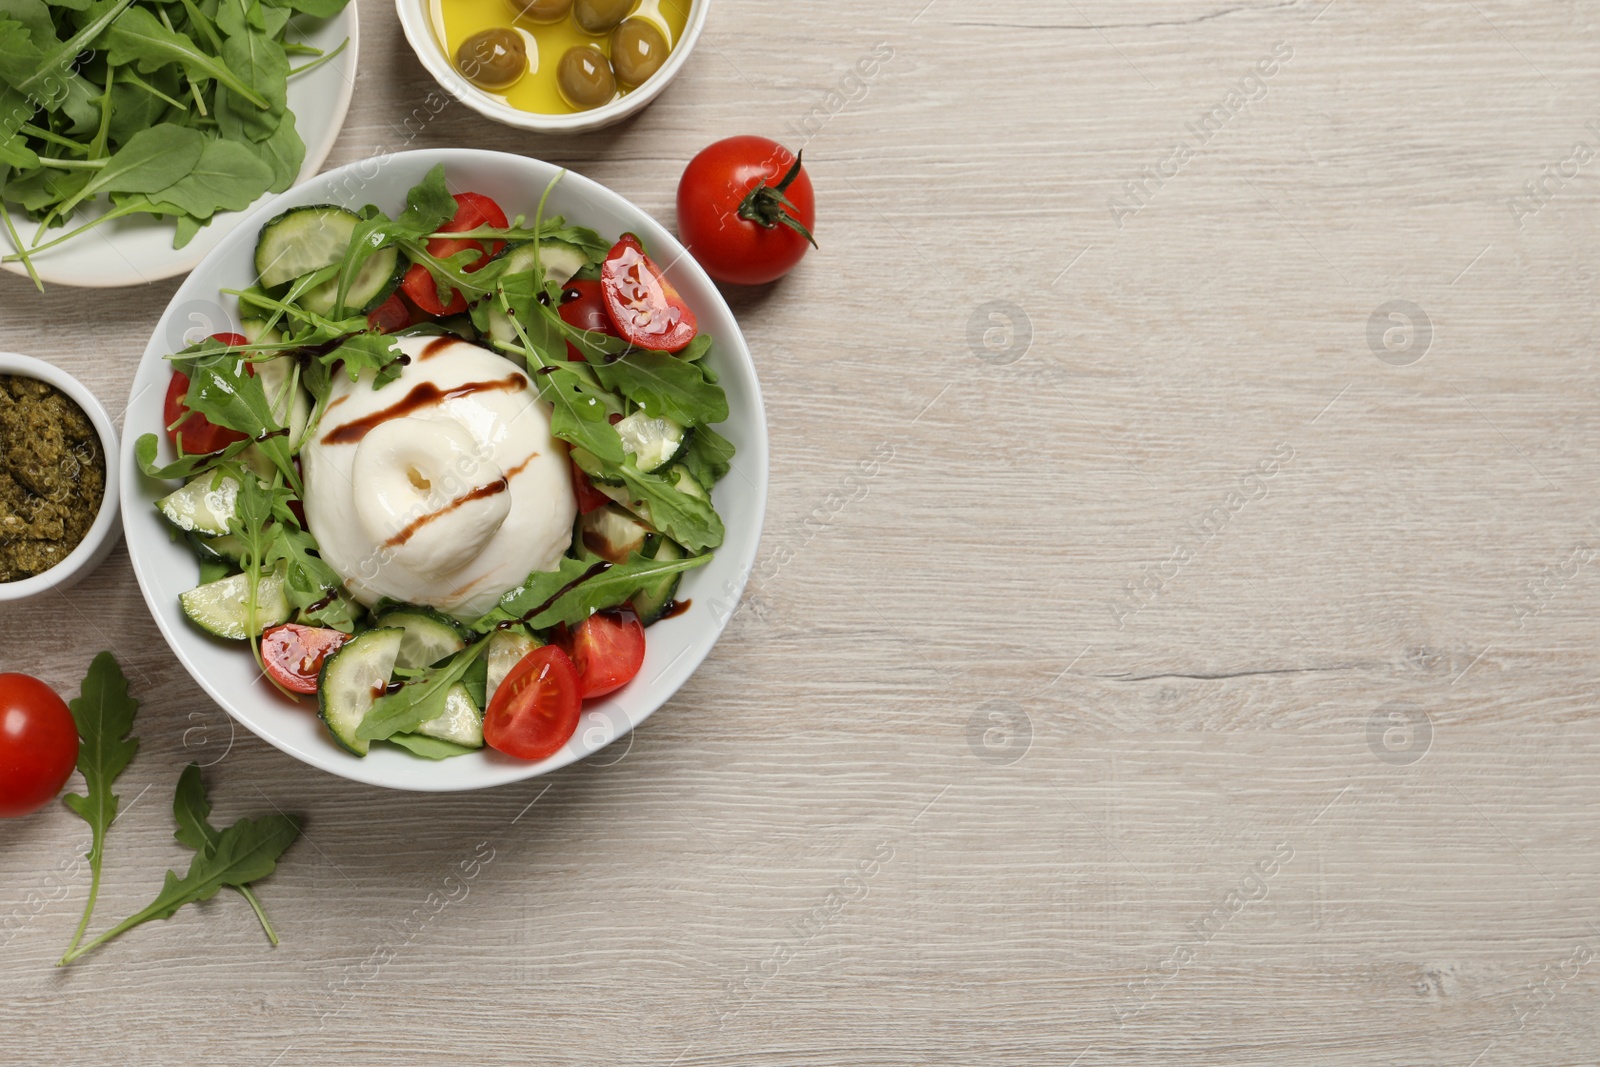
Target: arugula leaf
(241, 16)
(665, 387)
(214, 570)
(317, 9)
(19, 55)
(151, 160)
(245, 852)
(228, 176)
(368, 351)
(261, 63)
(419, 700)
(104, 715)
(192, 812)
(186, 467)
(686, 519)
(284, 152)
(15, 109)
(138, 37)
(707, 456)
(430, 747)
(35, 18)
(307, 580)
(604, 589)
(222, 391)
(581, 411)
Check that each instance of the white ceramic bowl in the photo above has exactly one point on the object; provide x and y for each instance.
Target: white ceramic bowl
(138, 250)
(675, 647)
(416, 18)
(102, 535)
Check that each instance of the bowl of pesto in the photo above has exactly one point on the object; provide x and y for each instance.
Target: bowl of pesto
(58, 492)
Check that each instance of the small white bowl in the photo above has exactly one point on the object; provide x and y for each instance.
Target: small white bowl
(102, 535)
(417, 20)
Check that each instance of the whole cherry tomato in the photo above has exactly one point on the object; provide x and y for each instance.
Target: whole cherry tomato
(746, 210)
(38, 744)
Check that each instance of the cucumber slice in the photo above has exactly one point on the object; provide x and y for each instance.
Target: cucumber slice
(612, 533)
(352, 680)
(255, 330)
(429, 636)
(204, 506)
(225, 549)
(653, 601)
(461, 723)
(301, 240)
(290, 404)
(219, 607)
(686, 483)
(561, 260)
(259, 462)
(378, 277)
(652, 442)
(506, 649)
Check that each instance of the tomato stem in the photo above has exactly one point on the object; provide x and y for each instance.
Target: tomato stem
(765, 204)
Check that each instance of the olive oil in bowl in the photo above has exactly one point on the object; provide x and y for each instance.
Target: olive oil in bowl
(620, 44)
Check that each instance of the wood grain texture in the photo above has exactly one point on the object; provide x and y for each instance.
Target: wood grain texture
(1061, 737)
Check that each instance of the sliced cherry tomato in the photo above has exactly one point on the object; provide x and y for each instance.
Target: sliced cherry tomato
(38, 744)
(583, 307)
(535, 710)
(589, 498)
(746, 210)
(294, 654)
(607, 648)
(419, 285)
(391, 316)
(200, 435)
(646, 310)
(473, 210)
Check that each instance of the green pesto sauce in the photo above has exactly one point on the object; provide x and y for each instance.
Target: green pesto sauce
(52, 476)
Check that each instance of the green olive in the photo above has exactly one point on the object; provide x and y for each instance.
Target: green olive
(600, 16)
(494, 59)
(637, 51)
(540, 10)
(584, 78)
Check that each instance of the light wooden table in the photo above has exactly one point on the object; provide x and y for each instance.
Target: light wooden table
(1204, 675)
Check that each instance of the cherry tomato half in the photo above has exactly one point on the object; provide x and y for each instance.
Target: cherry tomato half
(391, 316)
(535, 710)
(583, 307)
(646, 310)
(746, 210)
(419, 285)
(589, 498)
(294, 654)
(200, 435)
(473, 210)
(607, 648)
(38, 745)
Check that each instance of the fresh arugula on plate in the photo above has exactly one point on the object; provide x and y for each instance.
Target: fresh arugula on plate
(173, 110)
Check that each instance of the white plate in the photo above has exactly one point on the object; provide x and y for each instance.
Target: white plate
(674, 647)
(135, 251)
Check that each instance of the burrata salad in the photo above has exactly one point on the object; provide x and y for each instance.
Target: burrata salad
(448, 471)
